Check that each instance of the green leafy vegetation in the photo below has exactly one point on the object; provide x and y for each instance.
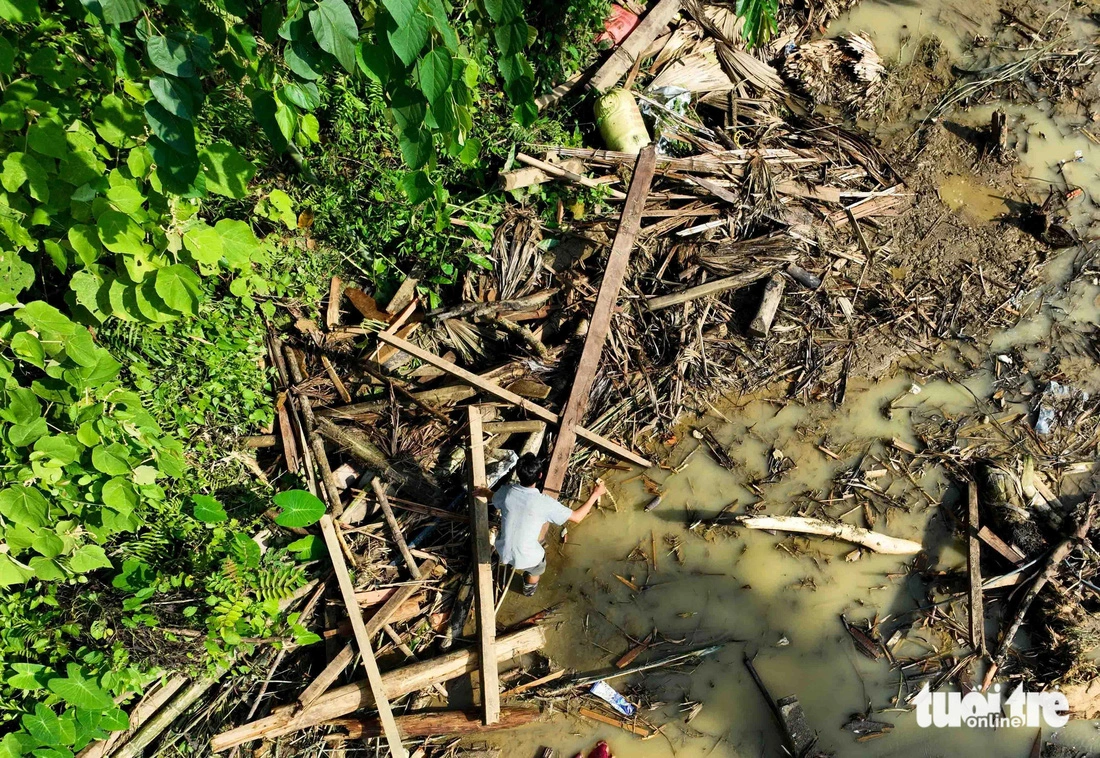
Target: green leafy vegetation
(166, 171)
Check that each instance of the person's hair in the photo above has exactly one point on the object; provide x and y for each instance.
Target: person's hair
(529, 469)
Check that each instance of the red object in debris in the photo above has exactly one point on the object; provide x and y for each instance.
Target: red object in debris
(620, 23)
(600, 751)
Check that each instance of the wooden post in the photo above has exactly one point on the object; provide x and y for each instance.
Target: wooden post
(600, 324)
(974, 569)
(374, 676)
(483, 578)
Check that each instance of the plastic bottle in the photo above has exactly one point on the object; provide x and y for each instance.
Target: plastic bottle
(621, 123)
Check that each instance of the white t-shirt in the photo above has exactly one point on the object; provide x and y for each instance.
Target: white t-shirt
(523, 512)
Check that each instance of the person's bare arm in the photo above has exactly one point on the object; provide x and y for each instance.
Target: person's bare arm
(580, 514)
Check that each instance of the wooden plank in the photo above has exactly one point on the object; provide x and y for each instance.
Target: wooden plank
(433, 723)
(600, 323)
(500, 393)
(1006, 551)
(374, 676)
(320, 685)
(974, 569)
(483, 576)
(335, 293)
(358, 695)
(647, 30)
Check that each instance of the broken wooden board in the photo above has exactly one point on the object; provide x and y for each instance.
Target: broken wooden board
(362, 639)
(600, 323)
(624, 56)
(974, 571)
(483, 568)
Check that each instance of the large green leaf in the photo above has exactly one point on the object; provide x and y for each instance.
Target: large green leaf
(45, 319)
(239, 243)
(434, 71)
(80, 692)
(227, 171)
(401, 10)
(180, 288)
(47, 137)
(408, 40)
(174, 95)
(23, 167)
(170, 55)
(11, 571)
(511, 38)
(88, 558)
(503, 11)
(16, 275)
(24, 505)
(48, 728)
(113, 459)
(208, 510)
(19, 11)
(304, 59)
(117, 121)
(299, 508)
(120, 11)
(175, 132)
(335, 30)
(416, 148)
(759, 16)
(204, 243)
(120, 234)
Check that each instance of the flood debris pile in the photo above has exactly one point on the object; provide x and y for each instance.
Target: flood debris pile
(743, 242)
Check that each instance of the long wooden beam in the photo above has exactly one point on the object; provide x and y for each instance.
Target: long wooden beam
(600, 323)
(483, 576)
(500, 393)
(974, 569)
(357, 696)
(374, 676)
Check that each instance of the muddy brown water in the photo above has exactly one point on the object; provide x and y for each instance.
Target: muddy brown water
(784, 605)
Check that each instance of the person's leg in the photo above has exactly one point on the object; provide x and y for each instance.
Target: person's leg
(531, 578)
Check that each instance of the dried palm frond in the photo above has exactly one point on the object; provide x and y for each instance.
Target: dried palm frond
(463, 337)
(680, 43)
(741, 66)
(759, 190)
(732, 256)
(517, 255)
(698, 71)
(844, 72)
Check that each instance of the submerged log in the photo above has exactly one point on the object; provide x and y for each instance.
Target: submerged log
(880, 543)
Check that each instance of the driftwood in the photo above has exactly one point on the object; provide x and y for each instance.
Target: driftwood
(353, 697)
(880, 543)
(737, 281)
(974, 571)
(483, 572)
(343, 659)
(563, 173)
(762, 322)
(1053, 561)
(624, 56)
